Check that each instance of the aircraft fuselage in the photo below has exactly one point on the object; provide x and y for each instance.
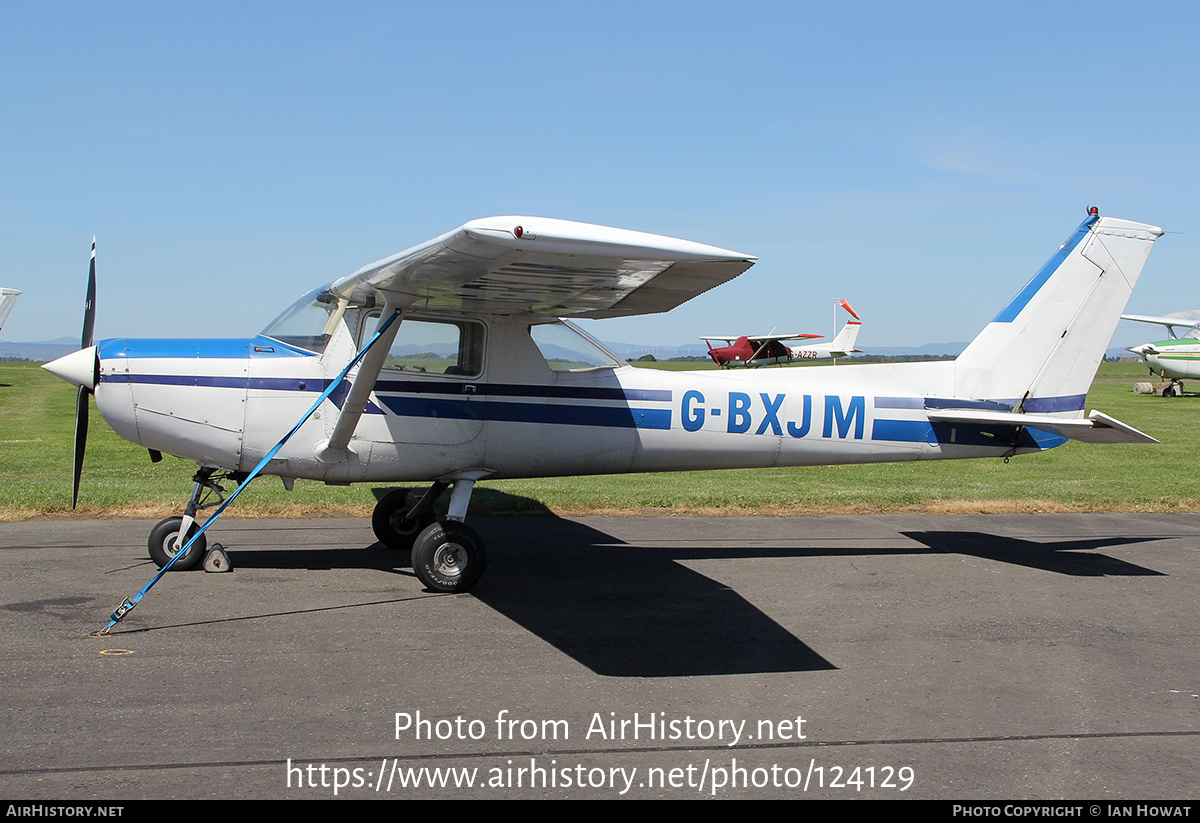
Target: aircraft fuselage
(1178, 359)
(225, 403)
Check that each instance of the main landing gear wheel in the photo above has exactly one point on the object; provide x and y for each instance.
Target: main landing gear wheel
(449, 557)
(162, 545)
(389, 523)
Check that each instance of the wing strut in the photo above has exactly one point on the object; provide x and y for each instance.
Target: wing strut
(333, 450)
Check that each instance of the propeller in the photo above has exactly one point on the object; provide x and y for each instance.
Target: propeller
(82, 368)
(81, 397)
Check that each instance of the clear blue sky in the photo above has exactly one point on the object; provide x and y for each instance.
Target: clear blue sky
(919, 159)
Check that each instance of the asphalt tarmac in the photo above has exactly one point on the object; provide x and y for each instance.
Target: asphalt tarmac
(987, 657)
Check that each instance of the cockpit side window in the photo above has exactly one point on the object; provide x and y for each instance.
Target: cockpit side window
(305, 324)
(568, 349)
(437, 347)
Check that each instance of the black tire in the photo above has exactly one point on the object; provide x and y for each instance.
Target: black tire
(1169, 391)
(389, 525)
(162, 545)
(449, 557)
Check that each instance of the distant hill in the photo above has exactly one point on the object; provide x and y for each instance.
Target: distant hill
(43, 351)
(929, 349)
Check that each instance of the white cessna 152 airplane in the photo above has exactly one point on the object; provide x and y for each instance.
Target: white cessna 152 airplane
(1175, 359)
(516, 392)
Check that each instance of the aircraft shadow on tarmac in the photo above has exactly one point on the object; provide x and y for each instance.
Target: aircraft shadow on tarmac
(620, 610)
(632, 611)
(635, 611)
(1061, 557)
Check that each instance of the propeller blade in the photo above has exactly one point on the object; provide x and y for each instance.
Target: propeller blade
(81, 397)
(81, 427)
(89, 307)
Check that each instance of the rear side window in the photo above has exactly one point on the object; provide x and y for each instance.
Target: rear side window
(567, 348)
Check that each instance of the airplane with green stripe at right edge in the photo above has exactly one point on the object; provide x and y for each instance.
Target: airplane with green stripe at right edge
(471, 373)
(1176, 359)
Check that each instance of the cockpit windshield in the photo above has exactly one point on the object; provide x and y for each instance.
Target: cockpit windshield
(305, 324)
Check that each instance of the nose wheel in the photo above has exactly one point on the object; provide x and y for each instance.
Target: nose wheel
(163, 544)
(165, 538)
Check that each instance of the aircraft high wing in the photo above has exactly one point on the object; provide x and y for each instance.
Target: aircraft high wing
(545, 267)
(448, 363)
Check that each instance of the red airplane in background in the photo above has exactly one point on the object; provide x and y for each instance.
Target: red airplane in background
(751, 351)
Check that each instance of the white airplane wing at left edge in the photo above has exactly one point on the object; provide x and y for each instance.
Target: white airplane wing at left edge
(544, 266)
(8, 298)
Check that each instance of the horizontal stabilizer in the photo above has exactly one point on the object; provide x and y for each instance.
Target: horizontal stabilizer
(1097, 427)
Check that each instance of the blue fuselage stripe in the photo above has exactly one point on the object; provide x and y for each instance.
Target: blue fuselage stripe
(1033, 405)
(522, 390)
(396, 386)
(1045, 405)
(608, 416)
(903, 431)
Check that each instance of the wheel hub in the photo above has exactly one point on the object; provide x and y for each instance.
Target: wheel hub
(401, 525)
(450, 559)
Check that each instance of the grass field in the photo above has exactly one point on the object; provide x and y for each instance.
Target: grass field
(36, 411)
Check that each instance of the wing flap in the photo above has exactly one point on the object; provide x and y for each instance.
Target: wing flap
(1097, 427)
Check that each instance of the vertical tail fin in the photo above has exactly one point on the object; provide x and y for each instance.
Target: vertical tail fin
(843, 344)
(1041, 351)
